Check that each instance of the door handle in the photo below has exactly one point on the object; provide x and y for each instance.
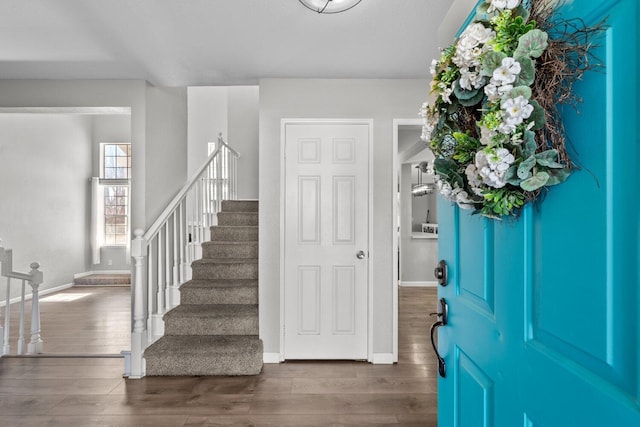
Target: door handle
(360, 255)
(441, 273)
(442, 319)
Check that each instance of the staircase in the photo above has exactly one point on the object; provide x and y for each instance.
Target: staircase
(214, 330)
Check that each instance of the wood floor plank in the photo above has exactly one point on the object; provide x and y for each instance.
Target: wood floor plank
(360, 404)
(293, 420)
(59, 391)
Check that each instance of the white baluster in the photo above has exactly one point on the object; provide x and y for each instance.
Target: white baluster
(157, 324)
(5, 269)
(168, 261)
(20, 349)
(6, 348)
(150, 290)
(176, 242)
(138, 333)
(36, 345)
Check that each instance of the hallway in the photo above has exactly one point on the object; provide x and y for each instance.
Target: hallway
(90, 391)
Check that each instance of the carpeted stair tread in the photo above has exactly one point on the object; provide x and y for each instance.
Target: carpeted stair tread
(235, 233)
(239, 206)
(212, 310)
(226, 249)
(205, 355)
(222, 291)
(225, 268)
(237, 218)
(219, 283)
(212, 261)
(208, 319)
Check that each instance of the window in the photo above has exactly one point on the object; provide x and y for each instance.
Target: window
(116, 172)
(116, 160)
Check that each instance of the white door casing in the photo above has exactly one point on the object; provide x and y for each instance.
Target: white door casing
(326, 225)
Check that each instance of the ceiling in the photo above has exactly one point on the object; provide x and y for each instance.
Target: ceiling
(215, 42)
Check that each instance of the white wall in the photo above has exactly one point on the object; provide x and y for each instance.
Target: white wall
(380, 100)
(45, 162)
(243, 136)
(91, 93)
(207, 117)
(166, 147)
(232, 111)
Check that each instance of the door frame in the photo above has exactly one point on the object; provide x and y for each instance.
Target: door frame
(397, 123)
(283, 175)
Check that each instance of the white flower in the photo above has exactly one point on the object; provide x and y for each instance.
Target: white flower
(480, 33)
(430, 117)
(517, 109)
(465, 42)
(507, 71)
(446, 94)
(491, 90)
(507, 128)
(462, 199)
(445, 189)
(474, 178)
(492, 164)
(501, 5)
(487, 135)
(432, 68)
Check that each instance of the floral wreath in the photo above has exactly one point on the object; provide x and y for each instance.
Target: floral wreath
(494, 127)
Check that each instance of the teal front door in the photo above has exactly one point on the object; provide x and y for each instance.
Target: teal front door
(543, 323)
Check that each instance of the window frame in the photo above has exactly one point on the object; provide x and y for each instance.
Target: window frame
(115, 183)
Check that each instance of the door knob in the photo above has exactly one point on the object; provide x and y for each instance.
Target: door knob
(360, 255)
(441, 273)
(443, 318)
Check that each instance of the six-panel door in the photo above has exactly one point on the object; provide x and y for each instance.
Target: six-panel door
(326, 233)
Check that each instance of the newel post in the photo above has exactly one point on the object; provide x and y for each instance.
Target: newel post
(36, 345)
(138, 332)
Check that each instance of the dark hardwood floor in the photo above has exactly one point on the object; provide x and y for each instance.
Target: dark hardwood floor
(90, 391)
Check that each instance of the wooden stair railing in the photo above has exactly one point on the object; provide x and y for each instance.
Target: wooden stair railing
(34, 279)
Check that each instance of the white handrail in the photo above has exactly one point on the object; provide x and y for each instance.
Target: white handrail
(163, 254)
(166, 213)
(34, 279)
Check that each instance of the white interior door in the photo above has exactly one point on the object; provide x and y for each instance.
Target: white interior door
(326, 240)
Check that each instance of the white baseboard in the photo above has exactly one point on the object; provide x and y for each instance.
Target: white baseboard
(272, 358)
(89, 273)
(382, 359)
(426, 284)
(42, 293)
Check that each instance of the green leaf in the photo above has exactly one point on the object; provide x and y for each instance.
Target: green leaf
(537, 116)
(482, 13)
(529, 144)
(556, 176)
(527, 71)
(549, 159)
(476, 99)
(490, 62)
(532, 44)
(445, 167)
(520, 11)
(518, 91)
(524, 169)
(511, 175)
(463, 94)
(536, 181)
